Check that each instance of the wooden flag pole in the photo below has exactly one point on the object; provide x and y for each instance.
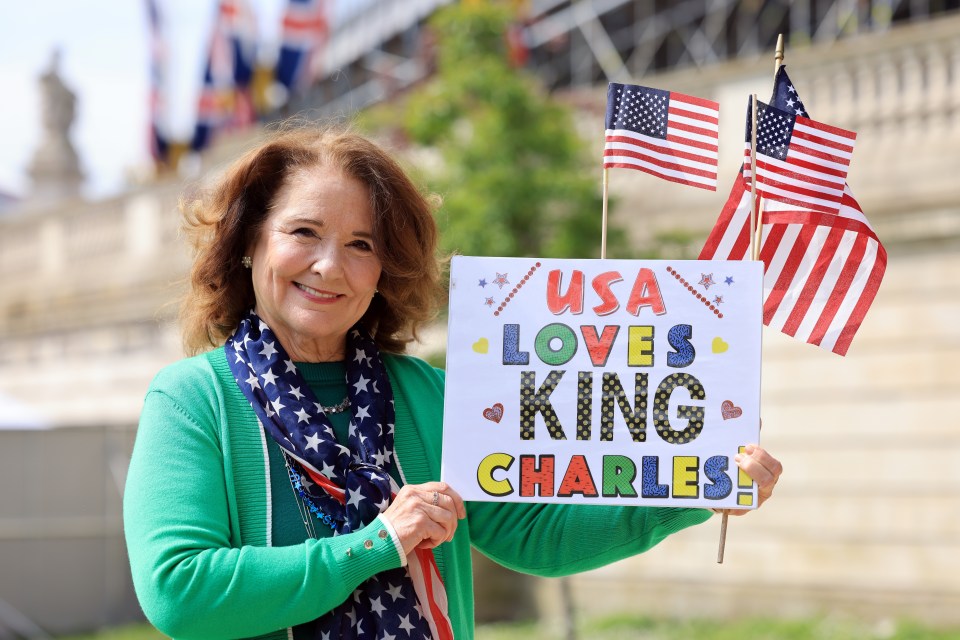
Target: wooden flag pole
(756, 231)
(778, 55)
(753, 178)
(754, 255)
(603, 228)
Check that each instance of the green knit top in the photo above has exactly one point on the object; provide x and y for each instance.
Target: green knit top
(218, 549)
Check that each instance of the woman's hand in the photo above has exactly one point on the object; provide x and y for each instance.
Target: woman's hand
(763, 468)
(425, 515)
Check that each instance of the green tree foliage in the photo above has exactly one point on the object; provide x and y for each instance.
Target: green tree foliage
(516, 178)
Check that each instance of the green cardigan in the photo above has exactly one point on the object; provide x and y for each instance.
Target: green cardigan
(200, 503)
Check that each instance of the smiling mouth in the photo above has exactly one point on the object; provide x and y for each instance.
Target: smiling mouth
(315, 293)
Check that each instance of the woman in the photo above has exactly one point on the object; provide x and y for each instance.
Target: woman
(315, 267)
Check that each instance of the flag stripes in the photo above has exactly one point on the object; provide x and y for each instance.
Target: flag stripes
(822, 271)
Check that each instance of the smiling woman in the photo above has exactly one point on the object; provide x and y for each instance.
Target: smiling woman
(287, 481)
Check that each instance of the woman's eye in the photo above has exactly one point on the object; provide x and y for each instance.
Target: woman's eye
(304, 232)
(363, 245)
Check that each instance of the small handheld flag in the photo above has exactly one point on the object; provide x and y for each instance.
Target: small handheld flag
(664, 133)
(799, 161)
(821, 271)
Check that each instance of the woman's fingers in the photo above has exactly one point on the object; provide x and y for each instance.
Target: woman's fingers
(451, 498)
(763, 468)
(425, 515)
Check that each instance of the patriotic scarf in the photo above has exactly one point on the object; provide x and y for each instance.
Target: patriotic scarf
(344, 487)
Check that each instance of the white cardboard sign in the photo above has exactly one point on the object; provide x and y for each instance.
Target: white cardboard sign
(602, 381)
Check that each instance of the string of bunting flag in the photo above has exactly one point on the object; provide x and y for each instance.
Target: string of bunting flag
(235, 86)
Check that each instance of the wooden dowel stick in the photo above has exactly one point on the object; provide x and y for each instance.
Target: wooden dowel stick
(723, 537)
(753, 177)
(778, 55)
(755, 236)
(603, 229)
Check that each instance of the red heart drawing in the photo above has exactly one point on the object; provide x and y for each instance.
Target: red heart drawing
(729, 410)
(494, 413)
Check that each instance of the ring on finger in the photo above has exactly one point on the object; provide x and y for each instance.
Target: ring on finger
(436, 498)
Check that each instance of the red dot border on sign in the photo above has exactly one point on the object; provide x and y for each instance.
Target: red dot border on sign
(699, 296)
(513, 292)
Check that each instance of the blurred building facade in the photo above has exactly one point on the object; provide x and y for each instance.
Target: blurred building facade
(865, 521)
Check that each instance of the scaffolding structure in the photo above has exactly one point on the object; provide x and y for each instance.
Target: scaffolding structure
(377, 52)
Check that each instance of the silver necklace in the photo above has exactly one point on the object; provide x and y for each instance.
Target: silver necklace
(337, 408)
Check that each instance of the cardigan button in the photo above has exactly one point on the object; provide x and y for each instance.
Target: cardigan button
(383, 534)
(368, 544)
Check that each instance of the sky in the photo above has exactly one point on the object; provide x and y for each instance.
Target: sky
(104, 59)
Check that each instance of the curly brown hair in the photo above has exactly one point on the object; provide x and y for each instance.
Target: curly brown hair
(227, 219)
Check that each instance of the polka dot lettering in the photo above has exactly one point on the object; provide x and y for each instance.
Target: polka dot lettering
(693, 414)
(635, 416)
(535, 400)
(584, 404)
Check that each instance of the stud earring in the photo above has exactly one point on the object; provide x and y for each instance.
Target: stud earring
(246, 261)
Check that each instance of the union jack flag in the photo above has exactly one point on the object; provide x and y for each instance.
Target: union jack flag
(664, 133)
(304, 30)
(225, 100)
(821, 270)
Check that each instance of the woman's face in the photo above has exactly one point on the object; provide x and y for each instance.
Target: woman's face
(315, 266)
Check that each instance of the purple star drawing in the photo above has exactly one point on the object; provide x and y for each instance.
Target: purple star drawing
(706, 279)
(483, 282)
(729, 280)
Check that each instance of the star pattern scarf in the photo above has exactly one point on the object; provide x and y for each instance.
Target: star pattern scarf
(344, 487)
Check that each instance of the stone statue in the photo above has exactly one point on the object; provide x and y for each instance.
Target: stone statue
(55, 167)
(58, 101)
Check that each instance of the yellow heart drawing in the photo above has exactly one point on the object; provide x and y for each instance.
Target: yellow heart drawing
(719, 346)
(481, 346)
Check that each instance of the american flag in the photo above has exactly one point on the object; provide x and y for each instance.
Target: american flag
(799, 161)
(664, 133)
(304, 30)
(821, 271)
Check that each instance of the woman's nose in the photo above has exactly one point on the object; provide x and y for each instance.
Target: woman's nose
(328, 262)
